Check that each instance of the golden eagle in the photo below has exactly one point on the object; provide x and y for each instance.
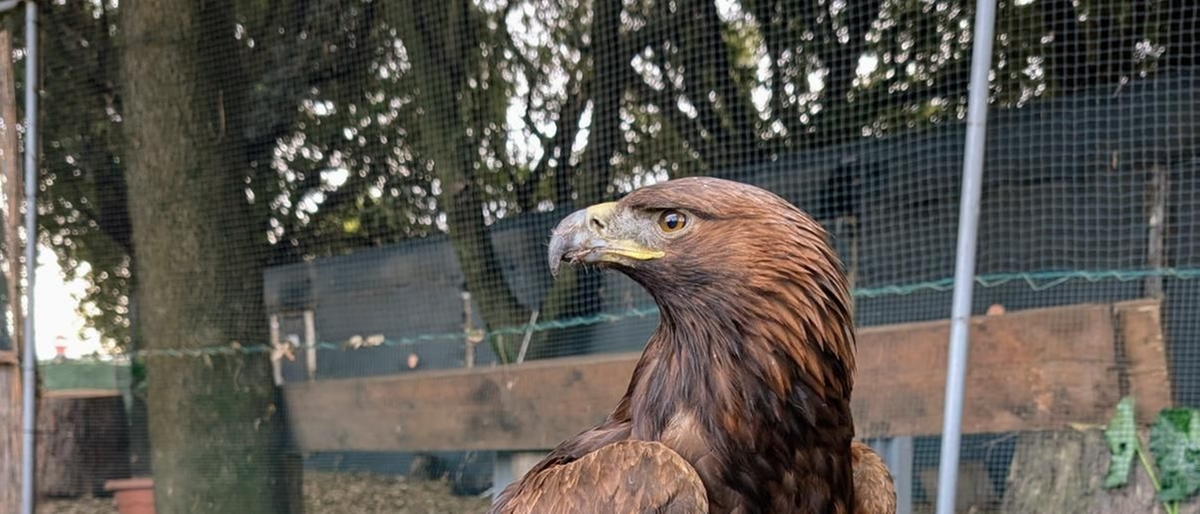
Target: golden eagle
(740, 402)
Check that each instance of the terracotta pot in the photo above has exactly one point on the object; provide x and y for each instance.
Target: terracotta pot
(133, 495)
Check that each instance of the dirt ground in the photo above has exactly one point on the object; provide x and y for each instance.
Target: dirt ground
(334, 493)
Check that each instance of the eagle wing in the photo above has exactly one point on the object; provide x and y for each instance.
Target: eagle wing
(625, 476)
(874, 490)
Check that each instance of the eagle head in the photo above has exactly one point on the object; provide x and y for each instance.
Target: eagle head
(702, 240)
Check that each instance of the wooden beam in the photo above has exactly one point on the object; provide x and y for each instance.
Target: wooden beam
(520, 407)
(1142, 357)
(1029, 370)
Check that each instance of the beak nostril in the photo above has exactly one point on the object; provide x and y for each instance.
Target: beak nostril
(597, 224)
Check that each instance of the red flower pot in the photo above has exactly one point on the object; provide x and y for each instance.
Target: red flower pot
(133, 495)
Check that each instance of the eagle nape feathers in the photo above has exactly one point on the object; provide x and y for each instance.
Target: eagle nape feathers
(740, 403)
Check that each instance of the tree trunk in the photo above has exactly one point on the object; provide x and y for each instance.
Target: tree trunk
(1062, 472)
(842, 120)
(1068, 69)
(575, 293)
(439, 47)
(14, 183)
(711, 86)
(214, 421)
(10, 347)
(83, 441)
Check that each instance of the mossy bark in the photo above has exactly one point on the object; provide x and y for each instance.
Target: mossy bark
(1062, 472)
(214, 422)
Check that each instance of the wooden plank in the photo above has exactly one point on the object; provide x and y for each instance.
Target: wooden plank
(1139, 330)
(77, 394)
(530, 406)
(1028, 370)
(10, 432)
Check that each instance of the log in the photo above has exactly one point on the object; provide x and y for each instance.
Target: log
(83, 441)
(1062, 472)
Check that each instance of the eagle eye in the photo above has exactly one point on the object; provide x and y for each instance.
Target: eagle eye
(672, 221)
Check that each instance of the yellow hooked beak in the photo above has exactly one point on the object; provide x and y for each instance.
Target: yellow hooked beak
(593, 236)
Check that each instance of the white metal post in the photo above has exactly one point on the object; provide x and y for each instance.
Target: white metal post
(964, 272)
(29, 359)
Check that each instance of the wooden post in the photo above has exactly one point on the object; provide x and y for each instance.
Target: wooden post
(852, 273)
(276, 364)
(1156, 233)
(469, 346)
(310, 344)
(10, 371)
(293, 462)
(10, 432)
(528, 335)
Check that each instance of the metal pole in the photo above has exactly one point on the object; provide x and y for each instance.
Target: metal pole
(964, 271)
(28, 422)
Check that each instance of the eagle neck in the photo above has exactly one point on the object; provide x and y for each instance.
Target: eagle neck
(712, 354)
(752, 383)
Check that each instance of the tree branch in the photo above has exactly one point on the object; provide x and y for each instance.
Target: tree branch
(773, 38)
(689, 130)
(558, 148)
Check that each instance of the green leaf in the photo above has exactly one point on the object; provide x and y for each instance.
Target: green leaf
(1175, 444)
(1121, 434)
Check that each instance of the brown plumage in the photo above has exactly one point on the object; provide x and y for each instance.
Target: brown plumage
(874, 490)
(747, 378)
(618, 471)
